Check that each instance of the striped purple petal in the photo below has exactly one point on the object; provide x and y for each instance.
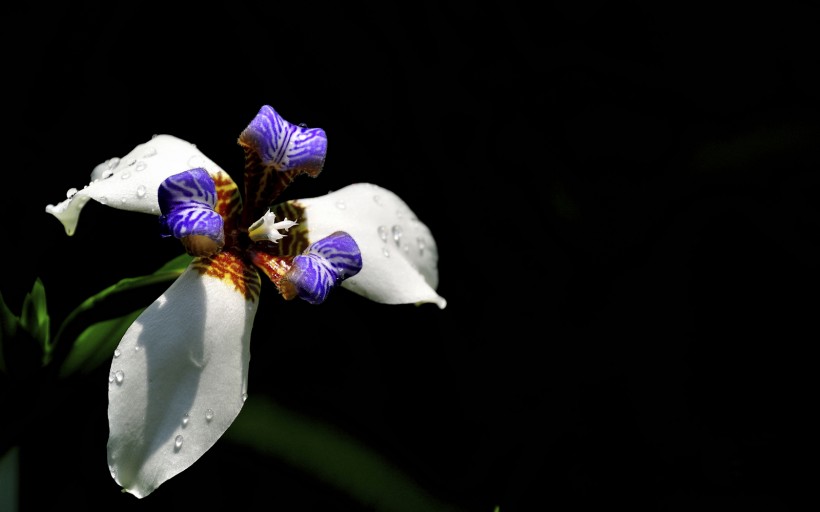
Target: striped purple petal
(324, 265)
(283, 145)
(187, 203)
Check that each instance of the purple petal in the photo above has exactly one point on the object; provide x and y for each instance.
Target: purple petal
(283, 145)
(187, 203)
(324, 265)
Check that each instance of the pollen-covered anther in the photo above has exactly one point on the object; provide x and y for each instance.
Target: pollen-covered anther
(266, 228)
(201, 245)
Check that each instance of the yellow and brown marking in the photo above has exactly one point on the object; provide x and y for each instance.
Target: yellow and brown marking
(229, 267)
(263, 184)
(228, 205)
(273, 265)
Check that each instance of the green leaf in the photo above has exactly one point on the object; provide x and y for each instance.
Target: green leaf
(34, 317)
(8, 330)
(20, 354)
(332, 456)
(90, 333)
(95, 345)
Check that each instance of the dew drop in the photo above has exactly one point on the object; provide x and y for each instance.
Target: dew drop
(125, 175)
(141, 191)
(123, 200)
(185, 420)
(341, 204)
(385, 252)
(107, 174)
(244, 396)
(383, 233)
(178, 443)
(303, 125)
(209, 415)
(111, 163)
(396, 231)
(113, 472)
(140, 166)
(70, 193)
(119, 376)
(132, 161)
(110, 377)
(150, 152)
(116, 352)
(102, 200)
(136, 348)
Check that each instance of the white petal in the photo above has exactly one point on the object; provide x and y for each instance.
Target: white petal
(399, 253)
(131, 182)
(178, 380)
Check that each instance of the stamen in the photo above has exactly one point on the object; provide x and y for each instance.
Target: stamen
(266, 228)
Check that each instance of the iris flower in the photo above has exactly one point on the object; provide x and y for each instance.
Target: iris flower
(179, 375)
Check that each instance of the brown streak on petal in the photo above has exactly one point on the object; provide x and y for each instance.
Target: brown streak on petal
(275, 267)
(228, 205)
(263, 184)
(229, 267)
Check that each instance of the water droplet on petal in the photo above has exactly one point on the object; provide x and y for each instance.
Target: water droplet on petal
(141, 166)
(209, 415)
(244, 396)
(136, 348)
(102, 200)
(123, 200)
(119, 376)
(116, 352)
(341, 204)
(303, 125)
(150, 151)
(107, 174)
(141, 191)
(185, 420)
(178, 443)
(125, 175)
(385, 252)
(396, 230)
(383, 233)
(132, 161)
(111, 163)
(110, 377)
(70, 193)
(113, 472)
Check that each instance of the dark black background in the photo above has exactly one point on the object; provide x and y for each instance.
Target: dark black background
(624, 198)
